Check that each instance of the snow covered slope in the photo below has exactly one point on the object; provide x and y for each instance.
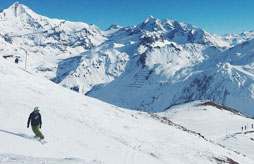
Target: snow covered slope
(99, 66)
(80, 129)
(221, 124)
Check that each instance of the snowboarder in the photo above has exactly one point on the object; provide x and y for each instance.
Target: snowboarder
(35, 118)
(245, 127)
(242, 128)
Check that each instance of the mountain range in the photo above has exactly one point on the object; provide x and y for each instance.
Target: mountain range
(151, 66)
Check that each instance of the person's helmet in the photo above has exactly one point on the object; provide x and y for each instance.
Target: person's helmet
(36, 109)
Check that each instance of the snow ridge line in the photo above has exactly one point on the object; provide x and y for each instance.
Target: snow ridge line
(165, 120)
(222, 107)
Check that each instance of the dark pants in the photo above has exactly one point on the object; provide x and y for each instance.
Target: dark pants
(37, 132)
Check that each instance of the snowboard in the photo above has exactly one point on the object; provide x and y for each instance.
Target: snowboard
(42, 141)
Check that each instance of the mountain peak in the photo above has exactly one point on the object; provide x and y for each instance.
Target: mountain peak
(149, 19)
(16, 4)
(16, 9)
(114, 27)
(151, 24)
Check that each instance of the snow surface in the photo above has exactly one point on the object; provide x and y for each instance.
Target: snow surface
(218, 124)
(80, 129)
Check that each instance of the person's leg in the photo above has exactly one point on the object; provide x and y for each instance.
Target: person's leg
(37, 132)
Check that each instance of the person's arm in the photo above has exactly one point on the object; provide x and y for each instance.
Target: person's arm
(28, 122)
(40, 121)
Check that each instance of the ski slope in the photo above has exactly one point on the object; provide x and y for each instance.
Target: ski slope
(80, 129)
(215, 123)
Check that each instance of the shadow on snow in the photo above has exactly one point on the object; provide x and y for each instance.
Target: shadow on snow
(17, 134)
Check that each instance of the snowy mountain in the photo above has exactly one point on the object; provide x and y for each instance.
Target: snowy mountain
(23, 23)
(178, 32)
(151, 66)
(127, 47)
(165, 70)
(44, 40)
(80, 129)
(235, 39)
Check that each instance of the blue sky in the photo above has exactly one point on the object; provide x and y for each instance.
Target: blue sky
(214, 16)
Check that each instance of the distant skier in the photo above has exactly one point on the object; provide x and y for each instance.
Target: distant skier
(252, 126)
(35, 118)
(17, 60)
(245, 127)
(242, 128)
